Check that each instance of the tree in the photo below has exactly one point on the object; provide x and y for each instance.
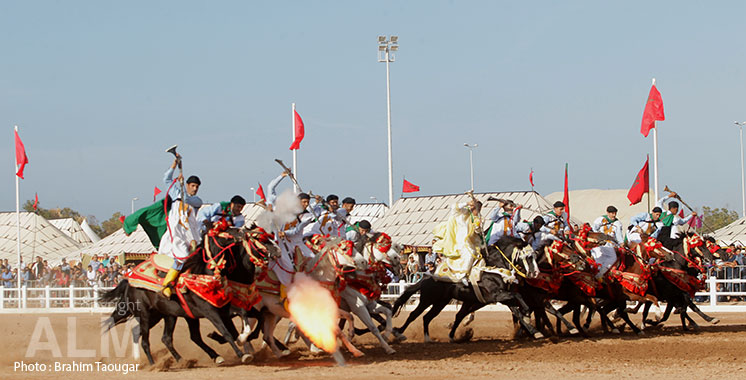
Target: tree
(103, 230)
(716, 218)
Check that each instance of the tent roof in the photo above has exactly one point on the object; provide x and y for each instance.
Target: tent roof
(72, 229)
(411, 220)
(119, 243)
(368, 211)
(732, 233)
(38, 238)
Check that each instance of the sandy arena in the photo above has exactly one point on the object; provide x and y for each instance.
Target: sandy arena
(661, 353)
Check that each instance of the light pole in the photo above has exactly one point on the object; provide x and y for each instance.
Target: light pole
(253, 191)
(132, 205)
(471, 162)
(743, 191)
(386, 53)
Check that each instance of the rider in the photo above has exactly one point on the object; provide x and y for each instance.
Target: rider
(504, 219)
(606, 255)
(556, 221)
(670, 218)
(231, 211)
(458, 242)
(358, 234)
(644, 223)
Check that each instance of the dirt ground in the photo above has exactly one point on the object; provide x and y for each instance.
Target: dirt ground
(716, 350)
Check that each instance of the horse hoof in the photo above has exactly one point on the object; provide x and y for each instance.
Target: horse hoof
(247, 358)
(641, 333)
(574, 331)
(391, 351)
(715, 321)
(285, 353)
(219, 360)
(615, 331)
(538, 335)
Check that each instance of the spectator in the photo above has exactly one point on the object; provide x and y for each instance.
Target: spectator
(430, 257)
(94, 263)
(65, 267)
(412, 265)
(7, 277)
(91, 276)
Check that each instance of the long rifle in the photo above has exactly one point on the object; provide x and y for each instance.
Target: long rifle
(667, 189)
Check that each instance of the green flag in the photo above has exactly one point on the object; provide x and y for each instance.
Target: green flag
(152, 219)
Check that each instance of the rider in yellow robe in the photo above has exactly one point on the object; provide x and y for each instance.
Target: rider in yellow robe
(458, 240)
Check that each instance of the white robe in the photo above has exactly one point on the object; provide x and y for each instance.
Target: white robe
(183, 229)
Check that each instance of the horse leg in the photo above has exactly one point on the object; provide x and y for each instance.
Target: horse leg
(467, 308)
(699, 312)
(525, 321)
(270, 322)
(217, 321)
(692, 324)
(357, 304)
(387, 317)
(421, 307)
(428, 317)
(168, 334)
(548, 307)
(136, 340)
(666, 314)
(145, 337)
(622, 311)
(196, 336)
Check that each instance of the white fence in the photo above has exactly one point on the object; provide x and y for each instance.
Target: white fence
(721, 284)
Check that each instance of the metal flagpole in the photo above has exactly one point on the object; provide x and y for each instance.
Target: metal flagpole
(18, 229)
(295, 154)
(655, 154)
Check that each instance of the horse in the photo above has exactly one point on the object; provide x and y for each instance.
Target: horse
(232, 261)
(495, 285)
(681, 270)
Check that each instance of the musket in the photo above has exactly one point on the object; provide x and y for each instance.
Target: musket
(493, 199)
(344, 218)
(182, 205)
(295, 181)
(666, 189)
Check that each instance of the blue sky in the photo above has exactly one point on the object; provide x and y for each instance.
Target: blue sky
(100, 89)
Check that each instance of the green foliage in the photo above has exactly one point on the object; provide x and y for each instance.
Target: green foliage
(716, 218)
(103, 230)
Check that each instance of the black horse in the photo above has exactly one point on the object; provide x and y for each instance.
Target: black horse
(682, 259)
(149, 307)
(492, 287)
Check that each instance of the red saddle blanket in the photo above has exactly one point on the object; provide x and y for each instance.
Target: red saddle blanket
(632, 282)
(216, 290)
(682, 280)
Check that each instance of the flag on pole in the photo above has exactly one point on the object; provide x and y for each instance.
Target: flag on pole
(653, 111)
(21, 158)
(36, 201)
(641, 185)
(566, 198)
(409, 187)
(531, 178)
(260, 193)
(300, 132)
(156, 191)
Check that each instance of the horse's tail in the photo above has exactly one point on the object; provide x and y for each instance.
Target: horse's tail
(408, 293)
(122, 308)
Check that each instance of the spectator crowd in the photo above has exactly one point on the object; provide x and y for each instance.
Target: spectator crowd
(101, 271)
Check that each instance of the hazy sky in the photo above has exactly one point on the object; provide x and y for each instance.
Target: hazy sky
(100, 89)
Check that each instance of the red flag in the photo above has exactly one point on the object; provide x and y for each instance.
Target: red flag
(36, 200)
(21, 158)
(681, 213)
(641, 185)
(409, 187)
(300, 132)
(566, 198)
(156, 191)
(653, 111)
(531, 178)
(260, 193)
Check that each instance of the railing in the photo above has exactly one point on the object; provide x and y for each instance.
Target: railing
(721, 283)
(71, 298)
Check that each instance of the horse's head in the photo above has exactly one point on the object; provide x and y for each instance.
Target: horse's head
(333, 257)
(380, 249)
(563, 255)
(513, 253)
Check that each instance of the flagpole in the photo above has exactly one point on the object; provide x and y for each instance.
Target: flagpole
(655, 154)
(18, 229)
(295, 153)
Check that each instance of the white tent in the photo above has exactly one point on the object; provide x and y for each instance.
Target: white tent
(39, 238)
(734, 233)
(118, 243)
(72, 229)
(368, 211)
(411, 220)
